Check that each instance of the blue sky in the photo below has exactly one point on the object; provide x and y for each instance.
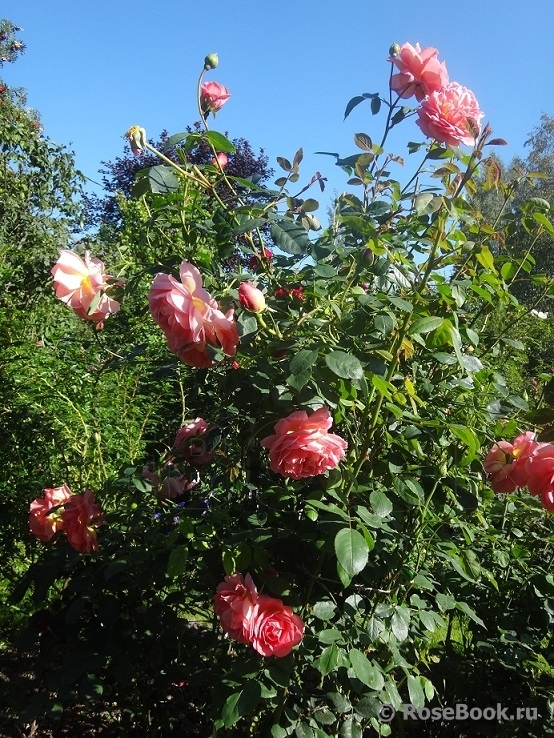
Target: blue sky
(94, 69)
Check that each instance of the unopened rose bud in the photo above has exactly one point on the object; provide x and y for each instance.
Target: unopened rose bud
(394, 50)
(211, 61)
(251, 297)
(137, 139)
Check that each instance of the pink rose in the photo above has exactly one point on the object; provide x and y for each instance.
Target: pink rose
(190, 445)
(173, 484)
(81, 517)
(220, 159)
(42, 522)
(251, 297)
(302, 446)
(507, 463)
(273, 629)
(451, 115)
(420, 72)
(213, 96)
(190, 318)
(78, 282)
(540, 470)
(234, 601)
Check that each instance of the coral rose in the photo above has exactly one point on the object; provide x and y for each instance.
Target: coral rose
(190, 444)
(451, 115)
(273, 629)
(213, 96)
(42, 522)
(77, 283)
(173, 485)
(234, 602)
(190, 318)
(507, 463)
(302, 446)
(81, 517)
(420, 72)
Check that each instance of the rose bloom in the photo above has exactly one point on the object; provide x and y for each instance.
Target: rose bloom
(190, 318)
(78, 281)
(420, 72)
(220, 159)
(234, 602)
(251, 297)
(540, 469)
(42, 522)
(81, 517)
(451, 116)
(302, 446)
(507, 463)
(213, 96)
(172, 486)
(190, 445)
(273, 629)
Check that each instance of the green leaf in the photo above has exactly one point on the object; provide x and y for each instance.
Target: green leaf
(162, 179)
(350, 729)
(290, 237)
(339, 702)
(302, 361)
(380, 503)
(417, 697)
(241, 703)
(325, 609)
(421, 202)
(425, 325)
(400, 623)
(344, 365)
(363, 141)
(174, 140)
(351, 550)
(220, 142)
(303, 730)
(177, 561)
(328, 660)
(246, 324)
(365, 671)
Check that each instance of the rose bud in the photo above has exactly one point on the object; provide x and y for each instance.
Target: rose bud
(211, 61)
(251, 297)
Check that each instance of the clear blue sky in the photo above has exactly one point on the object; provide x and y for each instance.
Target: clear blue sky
(92, 69)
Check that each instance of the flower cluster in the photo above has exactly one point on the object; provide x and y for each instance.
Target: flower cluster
(302, 446)
(81, 284)
(260, 621)
(524, 463)
(449, 112)
(190, 317)
(77, 516)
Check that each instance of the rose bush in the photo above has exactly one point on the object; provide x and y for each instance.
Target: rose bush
(303, 578)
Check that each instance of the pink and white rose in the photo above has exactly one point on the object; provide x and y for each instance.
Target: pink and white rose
(77, 283)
